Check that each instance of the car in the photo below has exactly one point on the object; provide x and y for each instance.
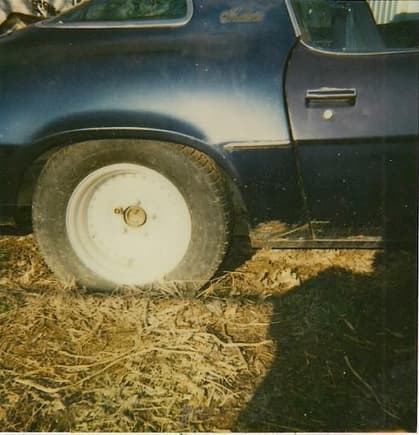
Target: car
(140, 136)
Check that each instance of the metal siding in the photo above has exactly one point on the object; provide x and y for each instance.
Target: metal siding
(384, 11)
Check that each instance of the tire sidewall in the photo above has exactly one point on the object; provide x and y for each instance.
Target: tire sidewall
(69, 166)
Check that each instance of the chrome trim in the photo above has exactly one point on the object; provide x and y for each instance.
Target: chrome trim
(330, 94)
(129, 24)
(257, 145)
(293, 19)
(326, 93)
(355, 53)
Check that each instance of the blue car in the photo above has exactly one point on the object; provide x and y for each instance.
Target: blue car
(139, 136)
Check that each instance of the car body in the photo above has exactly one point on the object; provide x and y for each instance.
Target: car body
(318, 143)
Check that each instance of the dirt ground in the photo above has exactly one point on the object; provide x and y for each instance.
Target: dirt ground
(286, 340)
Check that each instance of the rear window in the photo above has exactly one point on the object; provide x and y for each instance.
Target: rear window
(125, 10)
(359, 26)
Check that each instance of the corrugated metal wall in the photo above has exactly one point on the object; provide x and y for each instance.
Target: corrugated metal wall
(384, 11)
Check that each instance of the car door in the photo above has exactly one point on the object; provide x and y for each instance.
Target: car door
(353, 109)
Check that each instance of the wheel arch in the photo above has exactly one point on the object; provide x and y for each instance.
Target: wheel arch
(46, 147)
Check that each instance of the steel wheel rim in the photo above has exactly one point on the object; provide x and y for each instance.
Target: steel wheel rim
(129, 224)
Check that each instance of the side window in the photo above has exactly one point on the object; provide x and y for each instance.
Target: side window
(125, 10)
(359, 26)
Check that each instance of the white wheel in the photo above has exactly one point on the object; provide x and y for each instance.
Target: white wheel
(128, 223)
(110, 213)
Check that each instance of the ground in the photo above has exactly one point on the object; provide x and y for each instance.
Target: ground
(290, 340)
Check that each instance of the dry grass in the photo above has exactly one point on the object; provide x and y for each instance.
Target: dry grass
(122, 363)
(70, 360)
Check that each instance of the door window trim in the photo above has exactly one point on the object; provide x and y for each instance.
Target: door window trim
(299, 35)
(122, 24)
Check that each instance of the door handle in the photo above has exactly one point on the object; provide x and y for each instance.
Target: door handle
(331, 95)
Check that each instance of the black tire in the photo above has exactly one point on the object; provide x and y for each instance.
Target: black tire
(196, 177)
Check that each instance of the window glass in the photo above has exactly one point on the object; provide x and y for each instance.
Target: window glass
(125, 10)
(359, 26)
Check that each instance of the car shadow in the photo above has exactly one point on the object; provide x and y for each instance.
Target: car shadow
(346, 357)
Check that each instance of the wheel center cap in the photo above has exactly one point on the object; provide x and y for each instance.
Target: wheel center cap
(135, 216)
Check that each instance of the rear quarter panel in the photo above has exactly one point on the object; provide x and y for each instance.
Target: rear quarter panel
(216, 81)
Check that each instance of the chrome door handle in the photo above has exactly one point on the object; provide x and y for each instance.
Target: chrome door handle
(331, 95)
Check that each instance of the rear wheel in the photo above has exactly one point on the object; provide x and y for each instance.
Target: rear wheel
(124, 212)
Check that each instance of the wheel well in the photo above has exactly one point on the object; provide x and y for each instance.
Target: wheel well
(32, 172)
(23, 217)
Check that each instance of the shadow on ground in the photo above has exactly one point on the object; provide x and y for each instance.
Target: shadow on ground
(343, 323)
(346, 353)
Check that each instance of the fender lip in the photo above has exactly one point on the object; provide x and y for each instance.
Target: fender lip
(110, 132)
(67, 137)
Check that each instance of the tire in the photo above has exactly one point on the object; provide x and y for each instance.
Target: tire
(113, 213)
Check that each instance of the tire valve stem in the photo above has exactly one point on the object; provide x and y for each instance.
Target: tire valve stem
(118, 210)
